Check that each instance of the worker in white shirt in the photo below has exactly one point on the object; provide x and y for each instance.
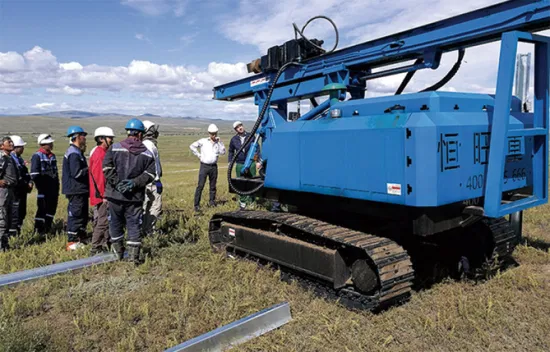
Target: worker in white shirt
(210, 149)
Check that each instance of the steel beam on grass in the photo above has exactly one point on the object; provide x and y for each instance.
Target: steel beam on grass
(239, 331)
(37, 273)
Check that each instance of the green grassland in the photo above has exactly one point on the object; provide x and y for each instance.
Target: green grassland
(184, 289)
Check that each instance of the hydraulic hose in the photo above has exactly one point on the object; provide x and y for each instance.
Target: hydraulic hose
(253, 132)
(452, 72)
(449, 74)
(301, 32)
(268, 101)
(408, 78)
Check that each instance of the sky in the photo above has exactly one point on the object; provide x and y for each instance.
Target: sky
(165, 56)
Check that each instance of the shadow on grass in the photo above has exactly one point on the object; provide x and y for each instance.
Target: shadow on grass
(35, 238)
(536, 243)
(173, 228)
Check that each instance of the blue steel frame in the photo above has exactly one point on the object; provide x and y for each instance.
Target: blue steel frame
(352, 67)
(499, 133)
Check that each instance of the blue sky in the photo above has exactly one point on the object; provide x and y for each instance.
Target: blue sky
(164, 56)
(104, 31)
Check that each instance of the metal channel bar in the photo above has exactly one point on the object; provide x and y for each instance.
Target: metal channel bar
(37, 273)
(239, 331)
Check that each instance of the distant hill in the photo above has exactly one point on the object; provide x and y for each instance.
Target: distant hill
(149, 116)
(78, 114)
(71, 114)
(56, 123)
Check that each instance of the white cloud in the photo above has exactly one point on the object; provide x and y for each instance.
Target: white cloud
(43, 106)
(179, 8)
(65, 90)
(186, 96)
(40, 59)
(272, 25)
(147, 72)
(188, 38)
(184, 86)
(142, 37)
(241, 108)
(219, 69)
(11, 62)
(11, 91)
(71, 66)
(182, 90)
(158, 7)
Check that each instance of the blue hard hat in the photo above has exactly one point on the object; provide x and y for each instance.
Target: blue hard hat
(135, 124)
(74, 130)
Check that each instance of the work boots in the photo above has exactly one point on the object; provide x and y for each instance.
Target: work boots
(4, 244)
(118, 249)
(133, 253)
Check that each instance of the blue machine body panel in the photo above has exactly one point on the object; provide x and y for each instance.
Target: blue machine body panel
(434, 155)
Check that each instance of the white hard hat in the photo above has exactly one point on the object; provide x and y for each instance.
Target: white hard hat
(148, 124)
(18, 141)
(212, 128)
(103, 132)
(236, 123)
(45, 138)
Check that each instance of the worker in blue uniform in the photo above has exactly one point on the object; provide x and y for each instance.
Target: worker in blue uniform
(128, 167)
(24, 186)
(8, 181)
(45, 175)
(76, 187)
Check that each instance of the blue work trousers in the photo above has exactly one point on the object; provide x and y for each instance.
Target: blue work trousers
(18, 211)
(78, 217)
(125, 214)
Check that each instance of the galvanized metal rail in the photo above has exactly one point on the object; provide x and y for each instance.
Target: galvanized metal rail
(239, 331)
(49, 270)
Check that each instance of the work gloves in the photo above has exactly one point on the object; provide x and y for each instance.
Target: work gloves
(125, 186)
(158, 185)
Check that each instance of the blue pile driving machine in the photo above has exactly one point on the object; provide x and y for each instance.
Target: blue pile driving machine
(380, 189)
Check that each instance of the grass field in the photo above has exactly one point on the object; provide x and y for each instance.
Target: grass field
(184, 289)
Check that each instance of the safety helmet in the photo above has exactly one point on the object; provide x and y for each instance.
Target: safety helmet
(212, 128)
(103, 132)
(74, 130)
(236, 124)
(18, 141)
(136, 125)
(150, 126)
(45, 138)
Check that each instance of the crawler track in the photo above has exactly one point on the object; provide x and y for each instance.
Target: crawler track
(504, 238)
(387, 259)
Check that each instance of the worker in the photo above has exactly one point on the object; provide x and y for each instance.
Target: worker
(210, 149)
(9, 178)
(76, 187)
(152, 207)
(24, 186)
(128, 166)
(45, 175)
(100, 237)
(8, 182)
(234, 146)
